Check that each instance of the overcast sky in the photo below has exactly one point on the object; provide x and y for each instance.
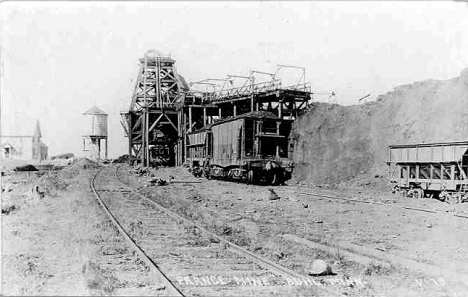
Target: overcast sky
(58, 59)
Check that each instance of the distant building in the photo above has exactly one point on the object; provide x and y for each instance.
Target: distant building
(20, 147)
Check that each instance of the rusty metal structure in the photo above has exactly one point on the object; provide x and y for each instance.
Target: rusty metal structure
(164, 109)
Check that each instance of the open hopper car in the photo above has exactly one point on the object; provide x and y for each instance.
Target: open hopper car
(252, 147)
(438, 170)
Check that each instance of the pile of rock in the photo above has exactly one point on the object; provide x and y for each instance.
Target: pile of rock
(157, 182)
(139, 170)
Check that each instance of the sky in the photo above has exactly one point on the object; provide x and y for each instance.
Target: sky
(59, 59)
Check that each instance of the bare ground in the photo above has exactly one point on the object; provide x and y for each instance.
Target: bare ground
(62, 243)
(256, 222)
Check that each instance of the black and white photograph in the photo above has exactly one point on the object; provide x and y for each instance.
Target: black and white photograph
(234, 148)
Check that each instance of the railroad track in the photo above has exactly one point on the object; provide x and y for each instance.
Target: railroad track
(187, 258)
(305, 192)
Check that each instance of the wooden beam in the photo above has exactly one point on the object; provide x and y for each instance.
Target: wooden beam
(204, 116)
(190, 118)
(155, 123)
(130, 140)
(170, 121)
(147, 138)
(137, 124)
(143, 139)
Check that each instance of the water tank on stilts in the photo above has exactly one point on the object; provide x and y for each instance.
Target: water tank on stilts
(95, 134)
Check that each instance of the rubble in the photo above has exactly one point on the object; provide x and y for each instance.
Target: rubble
(157, 182)
(7, 209)
(139, 170)
(28, 167)
(121, 159)
(82, 163)
(319, 267)
(7, 188)
(273, 195)
(35, 193)
(63, 156)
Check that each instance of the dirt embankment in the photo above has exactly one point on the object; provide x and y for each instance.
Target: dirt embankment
(334, 143)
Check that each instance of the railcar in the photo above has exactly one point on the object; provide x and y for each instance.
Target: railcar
(438, 170)
(252, 148)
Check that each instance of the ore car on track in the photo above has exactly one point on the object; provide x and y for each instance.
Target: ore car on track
(251, 147)
(438, 170)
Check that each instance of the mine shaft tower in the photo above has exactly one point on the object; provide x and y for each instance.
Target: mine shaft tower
(151, 120)
(164, 109)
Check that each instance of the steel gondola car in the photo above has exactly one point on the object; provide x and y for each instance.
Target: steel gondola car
(252, 148)
(438, 170)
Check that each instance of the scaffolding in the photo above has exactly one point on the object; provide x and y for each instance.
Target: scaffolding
(164, 108)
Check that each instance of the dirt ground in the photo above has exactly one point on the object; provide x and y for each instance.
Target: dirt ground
(61, 243)
(437, 239)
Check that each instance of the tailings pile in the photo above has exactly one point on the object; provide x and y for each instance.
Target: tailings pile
(334, 143)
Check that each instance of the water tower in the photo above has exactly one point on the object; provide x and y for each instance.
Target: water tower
(96, 131)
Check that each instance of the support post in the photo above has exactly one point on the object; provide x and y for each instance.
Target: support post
(143, 140)
(99, 149)
(130, 139)
(204, 116)
(190, 118)
(106, 146)
(147, 138)
(179, 130)
(280, 110)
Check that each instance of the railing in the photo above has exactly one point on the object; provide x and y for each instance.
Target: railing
(200, 97)
(249, 89)
(263, 87)
(300, 87)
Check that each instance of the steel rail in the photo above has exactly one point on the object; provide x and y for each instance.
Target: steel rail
(283, 271)
(172, 289)
(379, 203)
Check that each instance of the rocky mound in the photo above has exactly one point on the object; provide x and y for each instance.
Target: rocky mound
(63, 156)
(335, 143)
(82, 163)
(28, 167)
